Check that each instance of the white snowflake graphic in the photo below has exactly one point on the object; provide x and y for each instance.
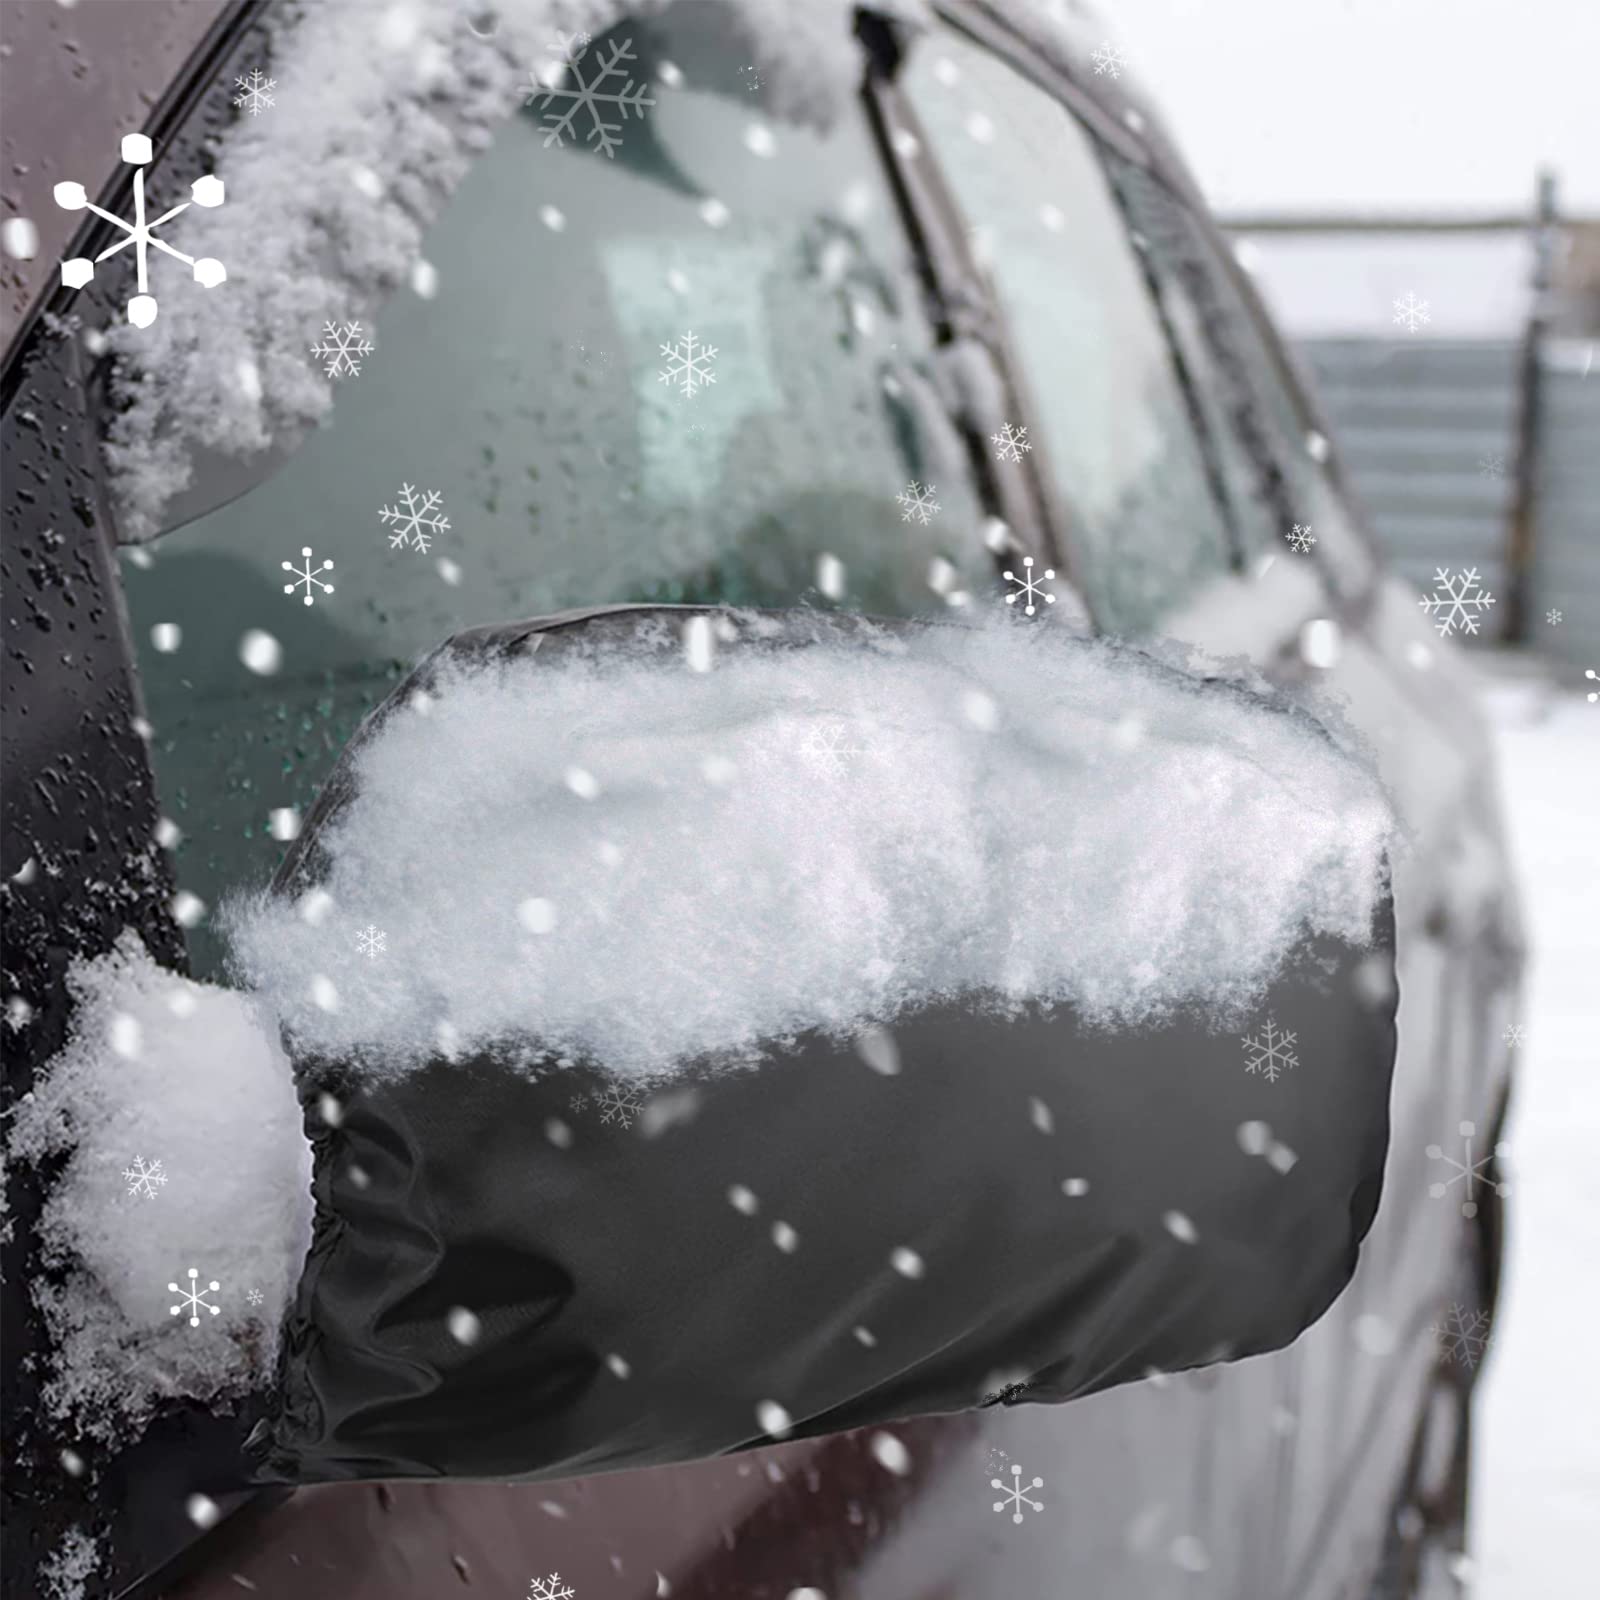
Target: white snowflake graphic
(1411, 313)
(1271, 1053)
(142, 1179)
(1029, 586)
(419, 523)
(372, 942)
(194, 1298)
(1552, 616)
(1456, 601)
(1301, 538)
(342, 347)
(254, 97)
(255, 1297)
(687, 367)
(627, 98)
(207, 191)
(1463, 1335)
(551, 1588)
(307, 576)
(1010, 444)
(830, 747)
(1514, 1035)
(1108, 60)
(1492, 465)
(1016, 1493)
(917, 503)
(1467, 1171)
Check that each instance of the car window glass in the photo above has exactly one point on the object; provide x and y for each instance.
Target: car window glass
(1106, 409)
(525, 391)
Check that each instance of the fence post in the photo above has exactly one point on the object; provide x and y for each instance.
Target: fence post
(1522, 530)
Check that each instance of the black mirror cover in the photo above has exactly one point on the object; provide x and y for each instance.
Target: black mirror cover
(983, 1210)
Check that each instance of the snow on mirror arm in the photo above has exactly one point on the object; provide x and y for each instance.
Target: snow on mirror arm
(679, 909)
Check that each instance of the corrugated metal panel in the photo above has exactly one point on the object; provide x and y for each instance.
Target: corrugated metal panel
(1566, 567)
(1428, 429)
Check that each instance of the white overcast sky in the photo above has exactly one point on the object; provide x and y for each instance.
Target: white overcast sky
(1308, 104)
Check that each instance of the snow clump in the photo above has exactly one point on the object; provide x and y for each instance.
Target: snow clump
(1118, 836)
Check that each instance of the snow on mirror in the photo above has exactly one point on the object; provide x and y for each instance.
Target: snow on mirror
(596, 851)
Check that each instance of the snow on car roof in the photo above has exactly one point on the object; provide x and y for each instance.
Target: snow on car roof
(607, 855)
(380, 106)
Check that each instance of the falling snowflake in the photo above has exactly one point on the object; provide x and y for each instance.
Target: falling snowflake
(194, 1298)
(917, 503)
(254, 97)
(372, 942)
(1010, 444)
(1514, 1034)
(551, 1588)
(254, 1296)
(1552, 616)
(1467, 1171)
(341, 347)
(1492, 465)
(142, 1179)
(1108, 61)
(418, 523)
(1410, 313)
(829, 747)
(1016, 1493)
(307, 575)
(1458, 599)
(1029, 586)
(688, 367)
(138, 152)
(619, 1103)
(1593, 695)
(752, 78)
(628, 98)
(1463, 1335)
(1301, 538)
(1271, 1053)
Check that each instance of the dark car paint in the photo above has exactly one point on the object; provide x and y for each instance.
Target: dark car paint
(87, 801)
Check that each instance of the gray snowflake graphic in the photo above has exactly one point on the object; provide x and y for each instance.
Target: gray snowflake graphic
(1108, 61)
(1553, 617)
(1491, 465)
(1271, 1053)
(1456, 601)
(142, 1179)
(415, 522)
(688, 368)
(254, 97)
(1028, 587)
(917, 503)
(1010, 444)
(254, 1296)
(1467, 1172)
(1463, 1335)
(342, 347)
(571, 93)
(1301, 538)
(194, 1298)
(372, 942)
(307, 576)
(619, 1103)
(1514, 1034)
(1016, 1493)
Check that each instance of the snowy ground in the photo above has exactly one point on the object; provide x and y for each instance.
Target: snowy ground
(1536, 1486)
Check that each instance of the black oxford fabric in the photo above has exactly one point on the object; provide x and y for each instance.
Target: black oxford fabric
(1026, 1211)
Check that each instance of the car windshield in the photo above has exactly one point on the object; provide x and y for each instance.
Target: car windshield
(697, 370)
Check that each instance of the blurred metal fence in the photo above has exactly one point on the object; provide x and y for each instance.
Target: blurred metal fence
(1483, 452)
